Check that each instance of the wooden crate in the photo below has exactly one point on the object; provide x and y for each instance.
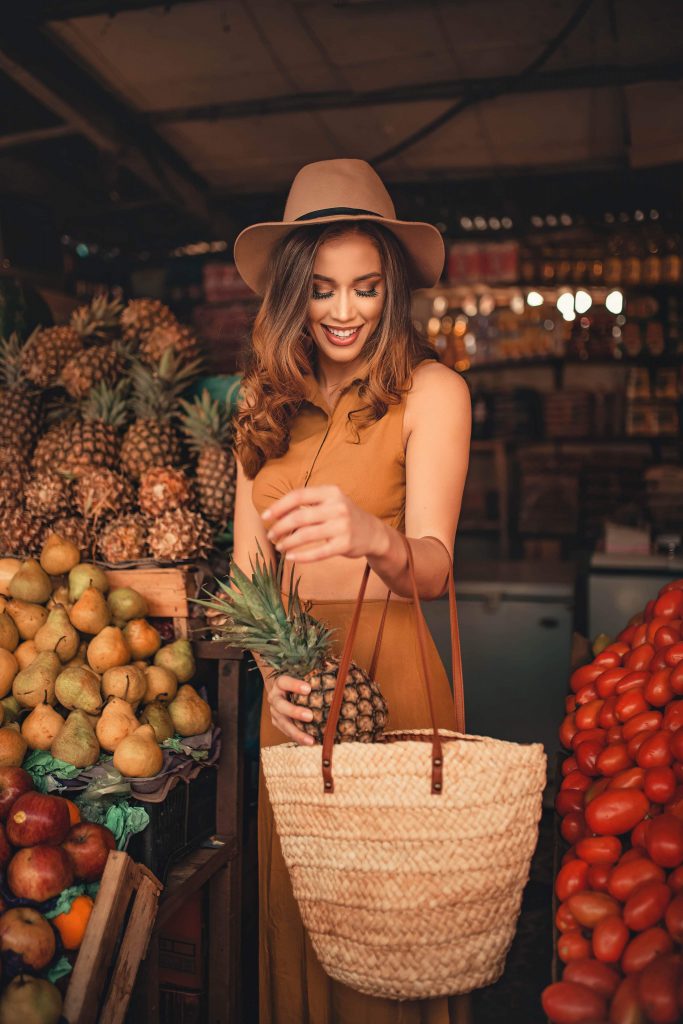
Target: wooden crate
(166, 590)
(114, 944)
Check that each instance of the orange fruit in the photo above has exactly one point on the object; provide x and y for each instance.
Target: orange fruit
(74, 813)
(71, 926)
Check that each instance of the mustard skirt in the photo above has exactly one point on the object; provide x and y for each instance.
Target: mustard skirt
(293, 988)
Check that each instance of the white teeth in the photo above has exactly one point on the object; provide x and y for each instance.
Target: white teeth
(343, 334)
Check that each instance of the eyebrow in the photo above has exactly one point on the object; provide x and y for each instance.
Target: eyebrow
(363, 277)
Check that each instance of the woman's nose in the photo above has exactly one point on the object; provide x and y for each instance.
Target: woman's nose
(344, 306)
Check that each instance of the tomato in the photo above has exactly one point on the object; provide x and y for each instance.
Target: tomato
(625, 1005)
(614, 734)
(627, 877)
(569, 855)
(594, 975)
(649, 610)
(609, 939)
(658, 691)
(659, 785)
(659, 660)
(674, 654)
(573, 827)
(653, 625)
(644, 948)
(573, 945)
(599, 786)
(599, 850)
(591, 907)
(568, 765)
(675, 880)
(609, 658)
(664, 841)
(580, 677)
(669, 605)
(655, 752)
(576, 780)
(630, 704)
(677, 744)
(618, 647)
(587, 714)
(570, 703)
(673, 716)
(566, 1002)
(638, 840)
(606, 683)
(626, 635)
(613, 759)
(586, 694)
(632, 778)
(598, 877)
(564, 919)
(666, 635)
(607, 719)
(635, 853)
(658, 989)
(676, 679)
(646, 906)
(671, 585)
(641, 722)
(674, 919)
(678, 771)
(616, 811)
(587, 756)
(571, 878)
(583, 735)
(640, 657)
(636, 742)
(567, 730)
(633, 681)
(568, 800)
(640, 635)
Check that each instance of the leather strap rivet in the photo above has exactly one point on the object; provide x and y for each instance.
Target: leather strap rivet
(328, 785)
(437, 762)
(326, 763)
(437, 785)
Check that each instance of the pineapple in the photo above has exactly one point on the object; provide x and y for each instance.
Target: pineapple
(21, 533)
(208, 427)
(94, 438)
(99, 320)
(75, 529)
(182, 340)
(51, 445)
(20, 406)
(152, 439)
(163, 488)
(293, 642)
(13, 475)
(47, 495)
(89, 367)
(179, 535)
(124, 539)
(100, 492)
(46, 352)
(142, 315)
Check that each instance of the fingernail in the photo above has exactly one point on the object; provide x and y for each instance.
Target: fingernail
(305, 688)
(308, 715)
(266, 514)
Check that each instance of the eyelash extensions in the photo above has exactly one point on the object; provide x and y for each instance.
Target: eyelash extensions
(364, 295)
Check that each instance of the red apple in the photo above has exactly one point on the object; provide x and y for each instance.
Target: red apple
(88, 846)
(5, 848)
(13, 782)
(26, 932)
(38, 818)
(39, 873)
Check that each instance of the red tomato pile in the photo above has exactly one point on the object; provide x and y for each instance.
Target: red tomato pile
(620, 886)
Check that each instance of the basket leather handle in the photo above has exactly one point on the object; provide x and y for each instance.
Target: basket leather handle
(345, 661)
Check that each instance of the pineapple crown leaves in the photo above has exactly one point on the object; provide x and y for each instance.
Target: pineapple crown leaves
(11, 373)
(206, 421)
(108, 403)
(99, 319)
(157, 388)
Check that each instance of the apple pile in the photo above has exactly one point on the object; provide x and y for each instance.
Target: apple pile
(82, 671)
(620, 885)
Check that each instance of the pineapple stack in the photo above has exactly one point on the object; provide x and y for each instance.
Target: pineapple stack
(98, 444)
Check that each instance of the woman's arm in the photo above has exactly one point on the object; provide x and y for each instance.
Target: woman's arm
(439, 413)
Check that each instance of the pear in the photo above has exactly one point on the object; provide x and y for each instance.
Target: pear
(77, 743)
(31, 583)
(41, 726)
(139, 755)
(59, 555)
(126, 604)
(108, 649)
(179, 658)
(156, 714)
(85, 575)
(9, 567)
(26, 653)
(190, 714)
(9, 634)
(31, 683)
(13, 746)
(60, 595)
(2, 714)
(77, 687)
(90, 613)
(28, 617)
(58, 635)
(80, 657)
(161, 684)
(142, 638)
(125, 681)
(31, 1001)
(115, 723)
(9, 666)
(11, 709)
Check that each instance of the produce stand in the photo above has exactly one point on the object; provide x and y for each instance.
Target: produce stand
(166, 590)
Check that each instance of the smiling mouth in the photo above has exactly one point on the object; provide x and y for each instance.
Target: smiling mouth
(347, 332)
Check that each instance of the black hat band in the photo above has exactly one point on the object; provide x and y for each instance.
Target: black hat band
(334, 211)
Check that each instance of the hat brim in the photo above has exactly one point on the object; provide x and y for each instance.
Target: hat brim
(422, 243)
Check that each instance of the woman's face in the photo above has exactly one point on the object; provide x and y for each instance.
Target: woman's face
(347, 298)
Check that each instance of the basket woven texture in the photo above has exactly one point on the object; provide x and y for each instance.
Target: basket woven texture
(409, 890)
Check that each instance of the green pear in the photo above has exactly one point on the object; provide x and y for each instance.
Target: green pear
(28, 617)
(126, 604)
(30, 1000)
(178, 657)
(31, 684)
(58, 635)
(139, 755)
(156, 714)
(189, 713)
(90, 613)
(59, 555)
(85, 575)
(108, 649)
(77, 743)
(9, 634)
(31, 583)
(12, 708)
(41, 726)
(115, 723)
(78, 687)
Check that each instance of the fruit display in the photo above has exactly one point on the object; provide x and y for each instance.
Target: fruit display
(251, 614)
(84, 675)
(619, 888)
(100, 443)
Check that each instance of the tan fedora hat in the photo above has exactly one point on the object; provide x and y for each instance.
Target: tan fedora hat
(331, 190)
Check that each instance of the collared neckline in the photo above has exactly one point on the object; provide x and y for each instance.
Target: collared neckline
(314, 392)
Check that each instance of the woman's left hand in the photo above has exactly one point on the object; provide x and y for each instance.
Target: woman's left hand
(312, 523)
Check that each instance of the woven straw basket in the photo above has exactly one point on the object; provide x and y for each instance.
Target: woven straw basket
(408, 865)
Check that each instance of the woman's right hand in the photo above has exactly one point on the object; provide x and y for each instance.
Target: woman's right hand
(285, 715)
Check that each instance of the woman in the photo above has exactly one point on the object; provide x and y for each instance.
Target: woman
(350, 432)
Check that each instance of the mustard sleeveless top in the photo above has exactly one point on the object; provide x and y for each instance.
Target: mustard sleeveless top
(369, 465)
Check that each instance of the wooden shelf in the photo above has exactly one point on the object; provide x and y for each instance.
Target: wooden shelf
(190, 874)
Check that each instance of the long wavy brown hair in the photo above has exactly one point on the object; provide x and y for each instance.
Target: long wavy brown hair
(282, 351)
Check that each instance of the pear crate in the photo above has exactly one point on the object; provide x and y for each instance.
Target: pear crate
(167, 591)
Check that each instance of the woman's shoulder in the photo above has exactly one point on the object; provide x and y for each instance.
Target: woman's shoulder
(433, 379)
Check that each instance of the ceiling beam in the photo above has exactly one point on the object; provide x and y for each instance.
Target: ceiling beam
(15, 140)
(64, 10)
(46, 71)
(547, 81)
